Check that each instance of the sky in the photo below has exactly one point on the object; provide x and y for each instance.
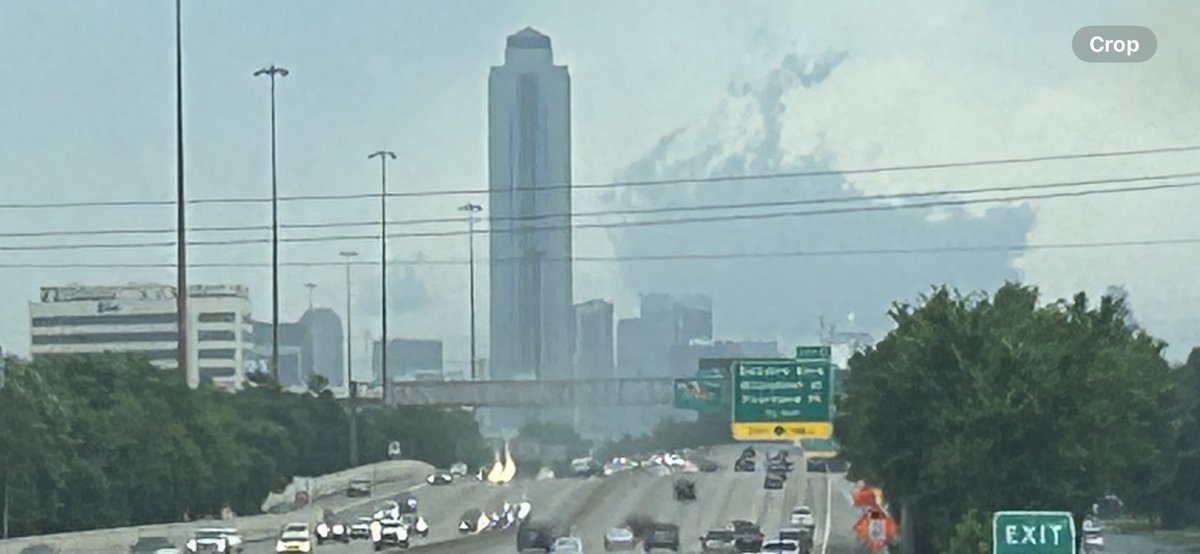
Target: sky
(660, 90)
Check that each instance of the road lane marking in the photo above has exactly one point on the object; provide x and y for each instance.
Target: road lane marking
(828, 511)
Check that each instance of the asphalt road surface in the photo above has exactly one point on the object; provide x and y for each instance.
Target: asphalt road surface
(589, 507)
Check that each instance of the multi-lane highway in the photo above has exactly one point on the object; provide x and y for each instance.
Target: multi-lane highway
(589, 507)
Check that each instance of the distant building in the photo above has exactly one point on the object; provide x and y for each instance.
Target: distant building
(142, 319)
(325, 337)
(529, 206)
(685, 359)
(294, 350)
(409, 359)
(594, 340)
(644, 344)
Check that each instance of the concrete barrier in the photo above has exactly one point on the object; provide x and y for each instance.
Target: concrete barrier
(253, 528)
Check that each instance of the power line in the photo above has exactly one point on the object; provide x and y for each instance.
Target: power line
(643, 223)
(664, 257)
(628, 211)
(622, 184)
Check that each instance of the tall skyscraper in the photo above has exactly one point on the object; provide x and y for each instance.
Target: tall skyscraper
(529, 175)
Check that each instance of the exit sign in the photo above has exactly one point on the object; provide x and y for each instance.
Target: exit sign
(1033, 533)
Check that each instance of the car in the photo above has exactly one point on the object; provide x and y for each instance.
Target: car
(458, 469)
(780, 465)
(535, 536)
(780, 546)
(586, 467)
(472, 521)
(358, 488)
(152, 545)
(662, 536)
(232, 536)
(294, 537)
(685, 490)
(798, 534)
(388, 510)
(718, 540)
(747, 536)
(332, 530)
(568, 544)
(802, 516)
(705, 465)
(744, 464)
(773, 481)
(619, 538)
(361, 528)
(387, 533)
(209, 540)
(440, 477)
(416, 525)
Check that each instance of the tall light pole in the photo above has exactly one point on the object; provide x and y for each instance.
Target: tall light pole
(383, 156)
(471, 210)
(310, 287)
(272, 72)
(353, 390)
(181, 285)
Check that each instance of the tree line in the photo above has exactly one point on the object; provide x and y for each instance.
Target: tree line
(110, 440)
(980, 402)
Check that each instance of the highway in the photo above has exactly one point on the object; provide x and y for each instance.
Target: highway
(591, 506)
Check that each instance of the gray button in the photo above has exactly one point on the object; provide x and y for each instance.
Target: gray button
(1114, 44)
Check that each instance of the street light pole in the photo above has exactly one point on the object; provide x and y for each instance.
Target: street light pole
(471, 210)
(272, 72)
(181, 284)
(353, 389)
(383, 156)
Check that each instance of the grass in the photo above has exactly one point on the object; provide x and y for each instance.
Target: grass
(1140, 526)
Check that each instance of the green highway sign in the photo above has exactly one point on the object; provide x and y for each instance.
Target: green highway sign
(1033, 533)
(700, 394)
(778, 392)
(812, 352)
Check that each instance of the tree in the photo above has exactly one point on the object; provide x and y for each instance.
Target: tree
(317, 383)
(971, 535)
(987, 403)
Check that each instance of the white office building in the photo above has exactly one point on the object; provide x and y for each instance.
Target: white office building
(141, 319)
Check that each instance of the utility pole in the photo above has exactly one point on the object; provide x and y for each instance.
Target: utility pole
(471, 210)
(181, 284)
(272, 72)
(349, 255)
(383, 156)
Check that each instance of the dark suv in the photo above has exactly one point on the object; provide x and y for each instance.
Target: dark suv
(535, 536)
(664, 536)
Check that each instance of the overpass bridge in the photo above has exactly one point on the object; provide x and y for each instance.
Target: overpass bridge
(634, 391)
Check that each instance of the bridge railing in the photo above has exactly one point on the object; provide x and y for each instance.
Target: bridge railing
(636, 391)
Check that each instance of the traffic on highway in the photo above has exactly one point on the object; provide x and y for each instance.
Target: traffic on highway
(688, 501)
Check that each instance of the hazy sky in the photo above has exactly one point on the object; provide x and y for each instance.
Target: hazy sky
(659, 90)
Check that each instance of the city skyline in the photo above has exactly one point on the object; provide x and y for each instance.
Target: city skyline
(780, 91)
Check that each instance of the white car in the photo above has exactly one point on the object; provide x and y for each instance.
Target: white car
(780, 547)
(209, 540)
(389, 532)
(458, 469)
(619, 538)
(440, 477)
(295, 537)
(361, 528)
(568, 544)
(802, 516)
(389, 510)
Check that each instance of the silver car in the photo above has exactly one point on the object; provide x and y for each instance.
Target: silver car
(619, 538)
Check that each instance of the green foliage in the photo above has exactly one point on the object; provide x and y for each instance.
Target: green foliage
(988, 403)
(1178, 490)
(972, 535)
(110, 440)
